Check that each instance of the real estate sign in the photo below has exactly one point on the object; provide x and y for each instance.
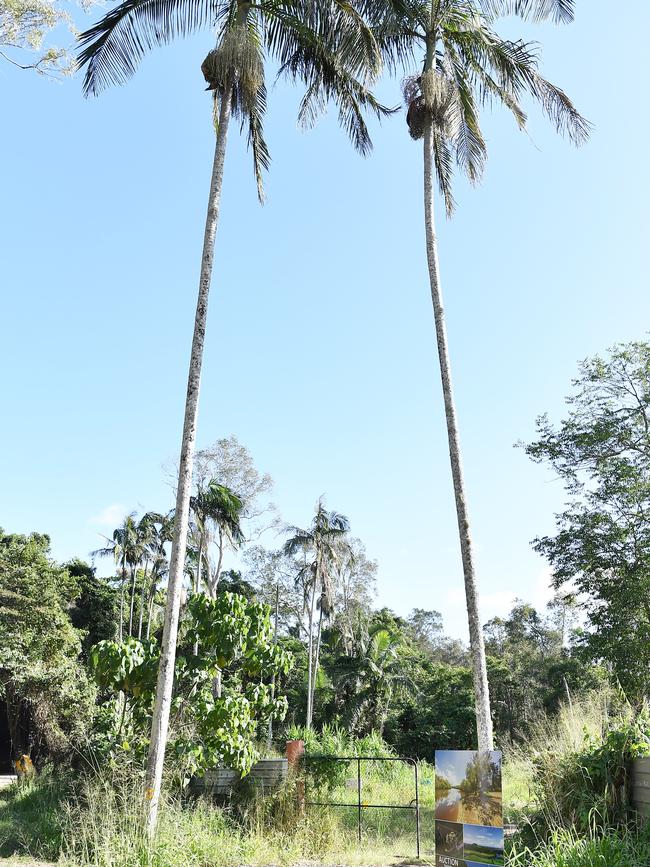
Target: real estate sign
(469, 811)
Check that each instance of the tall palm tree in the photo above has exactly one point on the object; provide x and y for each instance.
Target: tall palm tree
(325, 45)
(463, 64)
(321, 545)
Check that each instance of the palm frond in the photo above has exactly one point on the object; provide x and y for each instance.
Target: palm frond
(314, 27)
(334, 62)
(560, 110)
(261, 155)
(112, 49)
(462, 124)
(352, 99)
(300, 541)
(398, 27)
(444, 163)
(487, 88)
(560, 11)
(514, 65)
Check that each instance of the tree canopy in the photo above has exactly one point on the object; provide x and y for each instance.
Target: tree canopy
(601, 451)
(46, 689)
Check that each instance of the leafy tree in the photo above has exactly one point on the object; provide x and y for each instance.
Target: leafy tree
(354, 587)
(210, 726)
(231, 463)
(426, 627)
(94, 611)
(601, 451)
(464, 63)
(24, 24)
(533, 667)
(323, 45)
(272, 571)
(321, 546)
(47, 695)
(232, 581)
(439, 715)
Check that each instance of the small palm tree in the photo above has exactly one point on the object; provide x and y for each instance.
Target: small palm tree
(152, 533)
(220, 506)
(321, 546)
(125, 548)
(463, 64)
(368, 675)
(324, 45)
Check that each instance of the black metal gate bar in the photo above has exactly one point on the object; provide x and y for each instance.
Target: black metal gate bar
(359, 804)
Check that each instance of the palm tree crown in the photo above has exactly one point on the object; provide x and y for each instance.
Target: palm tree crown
(216, 504)
(324, 45)
(465, 64)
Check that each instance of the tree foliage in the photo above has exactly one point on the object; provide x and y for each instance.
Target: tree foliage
(221, 696)
(45, 688)
(601, 451)
(94, 610)
(24, 26)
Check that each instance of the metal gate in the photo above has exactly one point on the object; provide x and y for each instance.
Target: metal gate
(360, 805)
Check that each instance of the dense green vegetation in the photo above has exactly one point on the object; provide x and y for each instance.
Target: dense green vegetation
(557, 788)
(288, 645)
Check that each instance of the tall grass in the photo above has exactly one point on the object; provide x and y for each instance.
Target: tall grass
(102, 827)
(570, 765)
(30, 816)
(564, 848)
(577, 765)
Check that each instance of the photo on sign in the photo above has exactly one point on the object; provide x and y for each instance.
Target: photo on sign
(468, 787)
(449, 839)
(482, 845)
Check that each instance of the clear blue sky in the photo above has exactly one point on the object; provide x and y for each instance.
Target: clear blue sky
(321, 355)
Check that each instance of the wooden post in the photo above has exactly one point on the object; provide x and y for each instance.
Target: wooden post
(295, 750)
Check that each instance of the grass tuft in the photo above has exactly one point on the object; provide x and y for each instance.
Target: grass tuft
(30, 812)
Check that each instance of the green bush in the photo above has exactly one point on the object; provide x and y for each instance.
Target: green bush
(334, 741)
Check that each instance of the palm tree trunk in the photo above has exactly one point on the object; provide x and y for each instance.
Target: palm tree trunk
(316, 658)
(477, 646)
(152, 595)
(160, 721)
(269, 735)
(310, 655)
(134, 571)
(197, 585)
(142, 598)
(214, 586)
(197, 579)
(121, 626)
(121, 631)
